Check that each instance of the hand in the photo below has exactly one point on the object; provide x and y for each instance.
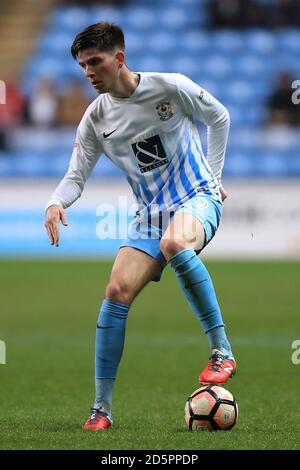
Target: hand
(223, 193)
(54, 215)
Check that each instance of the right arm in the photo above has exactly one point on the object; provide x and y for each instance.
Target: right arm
(85, 155)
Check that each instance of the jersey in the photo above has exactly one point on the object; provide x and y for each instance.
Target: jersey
(153, 138)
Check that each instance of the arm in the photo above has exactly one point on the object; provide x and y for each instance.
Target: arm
(200, 104)
(85, 155)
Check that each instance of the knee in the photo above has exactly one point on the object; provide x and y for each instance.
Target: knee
(118, 291)
(170, 247)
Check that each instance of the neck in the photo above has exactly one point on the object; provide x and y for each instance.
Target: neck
(126, 84)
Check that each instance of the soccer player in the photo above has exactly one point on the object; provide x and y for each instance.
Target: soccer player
(145, 124)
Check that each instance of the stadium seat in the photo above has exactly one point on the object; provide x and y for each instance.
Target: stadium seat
(288, 41)
(55, 44)
(102, 13)
(72, 19)
(240, 92)
(151, 64)
(160, 44)
(238, 67)
(186, 65)
(179, 18)
(228, 42)
(238, 165)
(217, 66)
(139, 19)
(270, 164)
(193, 41)
(259, 41)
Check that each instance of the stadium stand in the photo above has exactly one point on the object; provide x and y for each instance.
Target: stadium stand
(239, 67)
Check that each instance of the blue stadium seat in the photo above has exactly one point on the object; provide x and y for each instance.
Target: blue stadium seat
(185, 65)
(216, 66)
(240, 91)
(193, 41)
(55, 44)
(288, 41)
(250, 66)
(7, 165)
(72, 19)
(247, 115)
(270, 164)
(151, 64)
(238, 164)
(102, 13)
(41, 66)
(175, 18)
(133, 43)
(160, 43)
(259, 41)
(293, 163)
(185, 3)
(238, 67)
(228, 42)
(139, 19)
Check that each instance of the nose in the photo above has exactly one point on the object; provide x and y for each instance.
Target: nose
(89, 73)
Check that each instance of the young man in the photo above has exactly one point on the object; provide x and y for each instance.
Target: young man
(144, 122)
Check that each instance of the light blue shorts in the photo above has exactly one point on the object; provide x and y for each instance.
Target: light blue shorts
(204, 208)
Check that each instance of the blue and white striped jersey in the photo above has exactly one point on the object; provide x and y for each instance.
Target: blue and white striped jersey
(153, 138)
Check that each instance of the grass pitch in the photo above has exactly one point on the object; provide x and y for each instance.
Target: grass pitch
(49, 311)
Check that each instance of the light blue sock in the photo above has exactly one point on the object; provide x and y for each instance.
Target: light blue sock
(218, 340)
(198, 289)
(110, 336)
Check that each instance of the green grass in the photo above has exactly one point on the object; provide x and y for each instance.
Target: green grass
(48, 315)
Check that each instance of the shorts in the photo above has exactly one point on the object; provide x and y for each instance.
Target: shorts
(204, 208)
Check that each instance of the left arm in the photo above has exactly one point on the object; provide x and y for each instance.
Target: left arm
(200, 104)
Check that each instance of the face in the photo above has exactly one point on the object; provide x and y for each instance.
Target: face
(102, 69)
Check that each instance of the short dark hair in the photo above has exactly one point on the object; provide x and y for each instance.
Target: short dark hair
(102, 36)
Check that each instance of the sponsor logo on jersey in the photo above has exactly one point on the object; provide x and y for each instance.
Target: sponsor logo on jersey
(164, 110)
(149, 153)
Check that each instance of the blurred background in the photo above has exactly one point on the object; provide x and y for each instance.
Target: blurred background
(245, 52)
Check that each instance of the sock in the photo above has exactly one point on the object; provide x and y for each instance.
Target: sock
(103, 398)
(218, 340)
(110, 336)
(198, 289)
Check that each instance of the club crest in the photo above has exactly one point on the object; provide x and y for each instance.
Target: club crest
(164, 110)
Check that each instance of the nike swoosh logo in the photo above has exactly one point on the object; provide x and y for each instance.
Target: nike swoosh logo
(228, 369)
(110, 133)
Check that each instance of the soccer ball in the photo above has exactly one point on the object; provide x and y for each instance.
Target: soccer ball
(211, 408)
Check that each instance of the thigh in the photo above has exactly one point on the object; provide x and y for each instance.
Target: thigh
(134, 269)
(187, 231)
(195, 223)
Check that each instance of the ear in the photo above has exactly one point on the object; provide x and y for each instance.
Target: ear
(120, 56)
